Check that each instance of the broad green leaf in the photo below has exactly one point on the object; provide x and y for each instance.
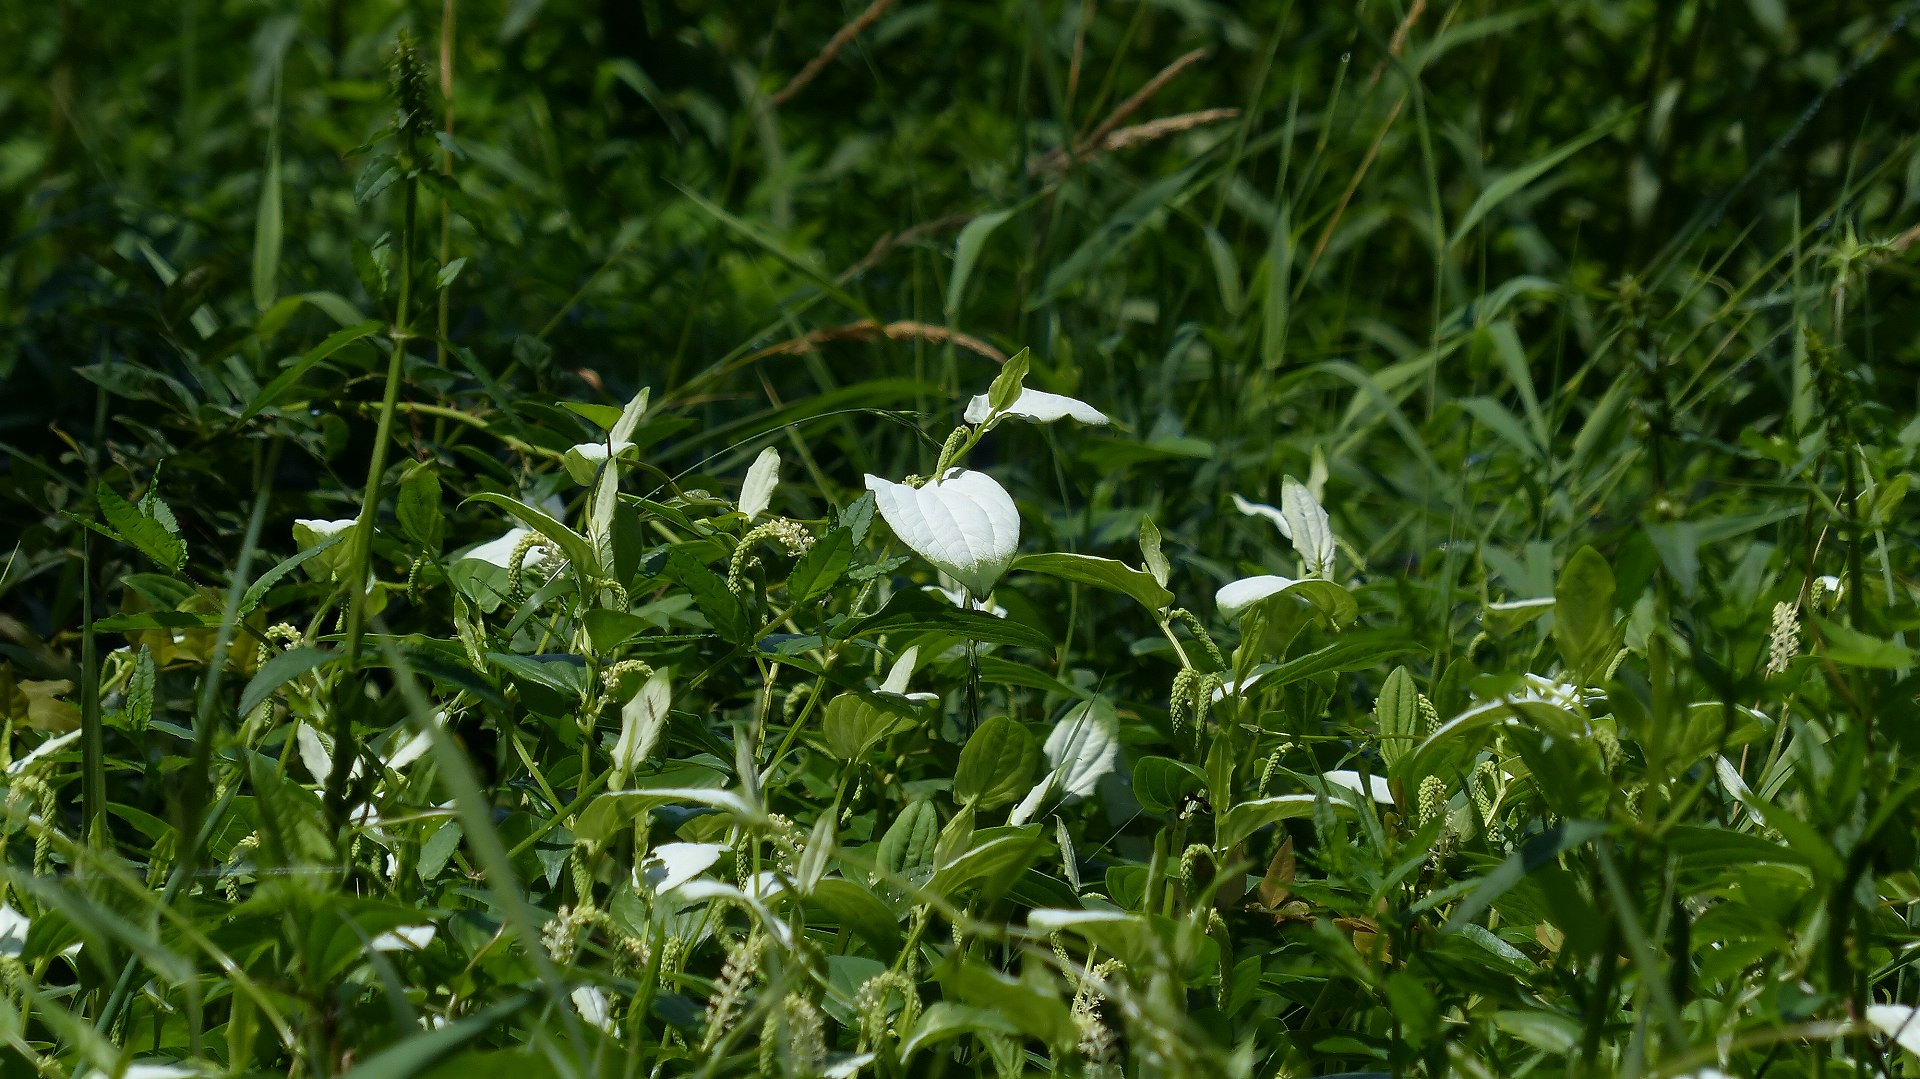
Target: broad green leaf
(1514, 182)
(711, 595)
(816, 572)
(286, 379)
(1397, 715)
(418, 507)
(966, 251)
(854, 723)
(146, 534)
(1107, 573)
(257, 591)
(911, 610)
(280, 670)
(997, 764)
(1583, 612)
(908, 843)
(1161, 783)
(1851, 648)
(267, 225)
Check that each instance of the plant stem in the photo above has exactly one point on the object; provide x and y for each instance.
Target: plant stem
(376, 468)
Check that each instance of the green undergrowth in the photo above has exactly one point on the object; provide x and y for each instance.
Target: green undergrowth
(1031, 539)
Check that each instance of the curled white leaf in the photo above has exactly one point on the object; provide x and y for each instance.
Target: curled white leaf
(584, 460)
(762, 477)
(1897, 1021)
(1037, 406)
(1301, 519)
(671, 865)
(405, 938)
(497, 552)
(1238, 595)
(42, 751)
(642, 720)
(591, 1002)
(964, 523)
(958, 597)
(1375, 785)
(13, 931)
(316, 753)
(416, 746)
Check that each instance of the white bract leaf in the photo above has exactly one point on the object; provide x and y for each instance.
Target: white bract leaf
(416, 746)
(673, 864)
(592, 1005)
(584, 460)
(13, 930)
(311, 532)
(1307, 527)
(1301, 520)
(901, 671)
(159, 1070)
(497, 552)
(1897, 1021)
(1239, 595)
(405, 938)
(958, 597)
(964, 523)
(43, 751)
(1261, 509)
(308, 531)
(1376, 785)
(1036, 406)
(1030, 805)
(762, 477)
(1083, 747)
(316, 753)
(642, 720)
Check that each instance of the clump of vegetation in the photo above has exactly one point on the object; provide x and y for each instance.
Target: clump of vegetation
(930, 540)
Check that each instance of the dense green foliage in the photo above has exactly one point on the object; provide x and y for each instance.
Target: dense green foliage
(489, 592)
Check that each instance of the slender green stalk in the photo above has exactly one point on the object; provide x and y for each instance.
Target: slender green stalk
(362, 552)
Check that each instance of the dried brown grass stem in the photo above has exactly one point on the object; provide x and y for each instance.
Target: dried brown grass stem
(839, 41)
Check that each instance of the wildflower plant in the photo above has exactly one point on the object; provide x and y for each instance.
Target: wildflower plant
(570, 612)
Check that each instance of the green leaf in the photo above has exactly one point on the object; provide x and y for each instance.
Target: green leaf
(854, 723)
(413, 1054)
(1007, 384)
(1151, 556)
(1513, 182)
(280, 670)
(286, 379)
(267, 226)
(146, 534)
(996, 764)
(1397, 714)
(1107, 573)
(815, 573)
(711, 595)
(418, 507)
(1543, 849)
(912, 610)
(1160, 783)
(1583, 613)
(571, 543)
(1355, 652)
(966, 251)
(140, 690)
(449, 273)
(908, 844)
(853, 906)
(257, 591)
(1851, 648)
